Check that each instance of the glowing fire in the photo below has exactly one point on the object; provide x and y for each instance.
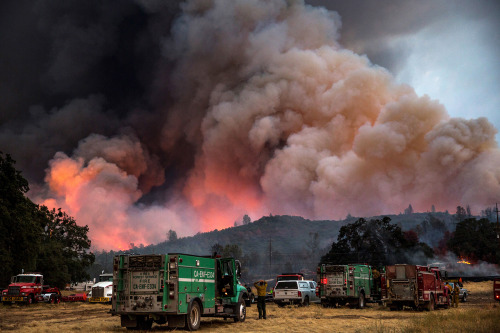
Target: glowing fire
(463, 261)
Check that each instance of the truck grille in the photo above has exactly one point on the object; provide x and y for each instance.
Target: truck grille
(98, 292)
(14, 291)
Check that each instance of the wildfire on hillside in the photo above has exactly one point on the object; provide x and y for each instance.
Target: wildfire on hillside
(463, 261)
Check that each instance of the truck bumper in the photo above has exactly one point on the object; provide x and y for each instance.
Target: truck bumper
(286, 301)
(100, 299)
(14, 299)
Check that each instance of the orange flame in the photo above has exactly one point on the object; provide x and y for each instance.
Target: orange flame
(463, 261)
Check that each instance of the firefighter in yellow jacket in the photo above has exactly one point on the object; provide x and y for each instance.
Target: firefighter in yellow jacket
(261, 287)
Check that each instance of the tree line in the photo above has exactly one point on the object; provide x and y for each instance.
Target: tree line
(379, 242)
(34, 238)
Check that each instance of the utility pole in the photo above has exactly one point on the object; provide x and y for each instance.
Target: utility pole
(270, 255)
(498, 224)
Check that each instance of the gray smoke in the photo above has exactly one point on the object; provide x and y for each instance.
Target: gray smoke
(150, 116)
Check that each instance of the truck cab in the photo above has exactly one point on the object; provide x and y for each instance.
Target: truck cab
(102, 291)
(23, 288)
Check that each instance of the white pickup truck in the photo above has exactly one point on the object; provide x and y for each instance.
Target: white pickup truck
(294, 292)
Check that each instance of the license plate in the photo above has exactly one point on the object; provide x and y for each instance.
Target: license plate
(12, 299)
(286, 300)
(99, 299)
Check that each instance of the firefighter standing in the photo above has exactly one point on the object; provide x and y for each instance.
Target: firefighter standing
(456, 294)
(261, 287)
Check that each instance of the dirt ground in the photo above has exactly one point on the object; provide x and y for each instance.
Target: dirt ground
(86, 317)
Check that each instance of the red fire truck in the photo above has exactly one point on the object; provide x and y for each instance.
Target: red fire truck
(496, 289)
(23, 288)
(419, 287)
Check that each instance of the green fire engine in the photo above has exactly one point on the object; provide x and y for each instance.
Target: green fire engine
(354, 284)
(176, 289)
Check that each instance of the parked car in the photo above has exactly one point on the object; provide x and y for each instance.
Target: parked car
(295, 292)
(464, 293)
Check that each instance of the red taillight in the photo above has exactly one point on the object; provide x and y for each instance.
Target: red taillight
(300, 294)
(345, 282)
(497, 296)
(273, 293)
(323, 281)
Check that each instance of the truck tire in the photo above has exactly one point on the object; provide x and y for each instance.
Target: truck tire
(30, 299)
(464, 298)
(241, 312)
(193, 316)
(306, 301)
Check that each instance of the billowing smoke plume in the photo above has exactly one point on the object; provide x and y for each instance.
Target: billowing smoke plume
(253, 108)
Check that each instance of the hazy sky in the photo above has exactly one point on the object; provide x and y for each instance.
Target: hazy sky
(449, 50)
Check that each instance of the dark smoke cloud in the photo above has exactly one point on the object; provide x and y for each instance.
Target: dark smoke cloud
(72, 68)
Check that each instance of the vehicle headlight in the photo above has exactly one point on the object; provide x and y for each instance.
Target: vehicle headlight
(23, 294)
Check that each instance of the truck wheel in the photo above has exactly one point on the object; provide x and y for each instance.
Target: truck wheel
(193, 317)
(241, 312)
(464, 298)
(30, 299)
(361, 301)
(306, 301)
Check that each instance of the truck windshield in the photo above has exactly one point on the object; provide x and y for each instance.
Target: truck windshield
(25, 278)
(106, 277)
(286, 285)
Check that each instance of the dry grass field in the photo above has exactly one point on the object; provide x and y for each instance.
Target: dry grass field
(479, 314)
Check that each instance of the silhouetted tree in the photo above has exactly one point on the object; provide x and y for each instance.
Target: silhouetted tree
(217, 249)
(460, 214)
(172, 235)
(375, 242)
(35, 238)
(232, 250)
(246, 219)
(476, 240)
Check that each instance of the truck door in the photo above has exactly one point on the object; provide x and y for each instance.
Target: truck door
(227, 282)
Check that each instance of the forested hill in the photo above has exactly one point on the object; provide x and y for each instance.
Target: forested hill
(276, 243)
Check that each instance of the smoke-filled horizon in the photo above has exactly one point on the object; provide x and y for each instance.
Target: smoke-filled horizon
(146, 116)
